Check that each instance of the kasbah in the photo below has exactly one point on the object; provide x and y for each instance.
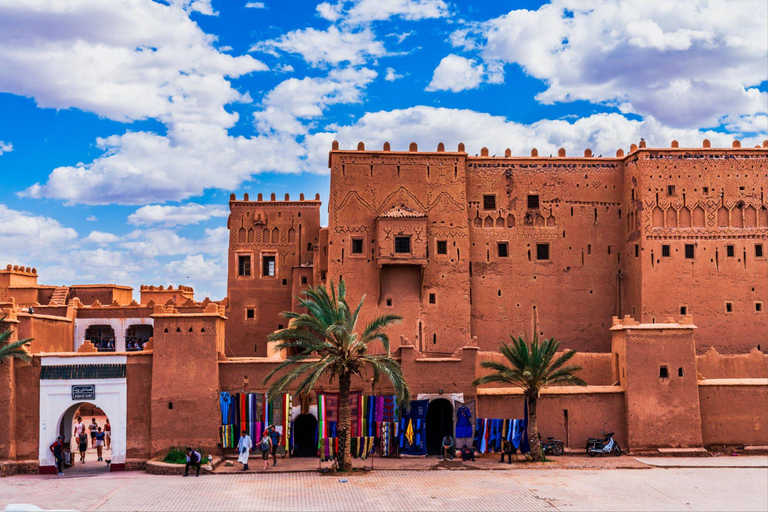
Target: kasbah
(651, 264)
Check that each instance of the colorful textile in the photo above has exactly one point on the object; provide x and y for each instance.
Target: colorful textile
(463, 422)
(490, 432)
(329, 448)
(228, 437)
(415, 418)
(322, 424)
(387, 439)
(266, 412)
(287, 406)
(226, 401)
(362, 447)
(389, 409)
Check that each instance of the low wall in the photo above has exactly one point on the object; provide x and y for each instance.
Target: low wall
(733, 412)
(713, 365)
(589, 410)
(49, 333)
(138, 425)
(596, 366)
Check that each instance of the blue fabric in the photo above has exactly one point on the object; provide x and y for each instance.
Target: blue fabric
(418, 415)
(463, 422)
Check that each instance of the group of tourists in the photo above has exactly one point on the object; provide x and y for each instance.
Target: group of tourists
(270, 441)
(99, 437)
(136, 346)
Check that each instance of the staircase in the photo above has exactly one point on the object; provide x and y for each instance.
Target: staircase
(59, 297)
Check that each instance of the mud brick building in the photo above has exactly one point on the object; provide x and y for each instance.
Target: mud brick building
(651, 264)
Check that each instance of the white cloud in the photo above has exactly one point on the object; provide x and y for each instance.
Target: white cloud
(456, 73)
(92, 218)
(196, 267)
(169, 216)
(151, 243)
(603, 133)
(293, 101)
(101, 238)
(5, 147)
(329, 11)
(391, 75)
(366, 11)
(687, 65)
(255, 5)
(26, 235)
(136, 59)
(327, 47)
(401, 36)
(285, 68)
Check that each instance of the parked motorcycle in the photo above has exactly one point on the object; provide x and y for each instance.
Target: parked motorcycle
(602, 446)
(552, 446)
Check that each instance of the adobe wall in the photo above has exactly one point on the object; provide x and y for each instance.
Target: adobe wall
(733, 412)
(589, 410)
(712, 199)
(578, 216)
(161, 294)
(49, 333)
(713, 365)
(27, 409)
(186, 391)
(13, 276)
(287, 230)
(365, 186)
(662, 408)
(22, 296)
(596, 366)
(139, 422)
(8, 396)
(105, 294)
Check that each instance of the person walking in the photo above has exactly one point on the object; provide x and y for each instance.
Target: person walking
(265, 445)
(244, 446)
(79, 427)
(57, 448)
(108, 434)
(274, 436)
(82, 444)
(193, 459)
(92, 428)
(99, 444)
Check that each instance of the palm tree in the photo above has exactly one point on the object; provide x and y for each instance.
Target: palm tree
(323, 343)
(12, 350)
(532, 368)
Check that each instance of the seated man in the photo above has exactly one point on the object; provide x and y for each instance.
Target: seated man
(507, 449)
(467, 453)
(446, 450)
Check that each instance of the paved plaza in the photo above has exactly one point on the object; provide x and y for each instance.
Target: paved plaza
(701, 488)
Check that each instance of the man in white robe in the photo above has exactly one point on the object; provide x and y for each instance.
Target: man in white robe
(244, 449)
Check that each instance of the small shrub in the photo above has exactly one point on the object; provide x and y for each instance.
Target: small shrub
(178, 455)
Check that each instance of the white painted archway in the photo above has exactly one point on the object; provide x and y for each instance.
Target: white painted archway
(56, 401)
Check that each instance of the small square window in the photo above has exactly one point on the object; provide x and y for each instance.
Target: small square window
(389, 302)
(489, 202)
(758, 307)
(680, 372)
(683, 310)
(432, 298)
(402, 244)
(706, 190)
(730, 251)
(244, 265)
(729, 307)
(442, 247)
(309, 246)
(690, 251)
(250, 314)
(663, 372)
(285, 282)
(279, 326)
(670, 190)
(542, 251)
(503, 249)
(533, 202)
(637, 250)
(758, 250)
(303, 279)
(665, 251)
(268, 266)
(357, 246)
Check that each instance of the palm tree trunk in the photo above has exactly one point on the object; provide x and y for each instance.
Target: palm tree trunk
(533, 430)
(345, 456)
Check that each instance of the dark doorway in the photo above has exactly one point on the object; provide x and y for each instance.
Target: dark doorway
(439, 424)
(304, 432)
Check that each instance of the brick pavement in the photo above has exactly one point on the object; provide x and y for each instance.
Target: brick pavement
(516, 489)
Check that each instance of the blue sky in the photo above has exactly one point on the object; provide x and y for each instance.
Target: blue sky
(125, 125)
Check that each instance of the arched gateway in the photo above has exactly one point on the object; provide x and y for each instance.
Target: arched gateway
(68, 382)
